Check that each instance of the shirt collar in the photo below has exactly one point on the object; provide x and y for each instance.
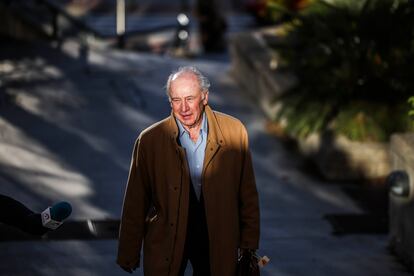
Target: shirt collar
(204, 126)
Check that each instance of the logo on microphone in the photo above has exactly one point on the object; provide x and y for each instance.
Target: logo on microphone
(47, 220)
(46, 216)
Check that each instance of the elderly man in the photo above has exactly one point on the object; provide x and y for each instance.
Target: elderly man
(191, 193)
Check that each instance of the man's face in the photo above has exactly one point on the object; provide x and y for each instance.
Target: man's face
(187, 100)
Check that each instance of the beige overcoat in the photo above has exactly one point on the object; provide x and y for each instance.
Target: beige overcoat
(157, 198)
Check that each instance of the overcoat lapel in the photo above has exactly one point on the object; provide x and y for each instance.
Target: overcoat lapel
(215, 138)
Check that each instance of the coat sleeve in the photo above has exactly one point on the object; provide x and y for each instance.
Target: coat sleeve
(249, 202)
(134, 211)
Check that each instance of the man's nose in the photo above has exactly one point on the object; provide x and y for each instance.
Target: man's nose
(184, 106)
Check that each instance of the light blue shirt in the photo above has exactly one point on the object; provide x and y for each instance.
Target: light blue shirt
(195, 152)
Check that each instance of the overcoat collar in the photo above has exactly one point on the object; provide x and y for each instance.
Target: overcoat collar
(215, 138)
(215, 135)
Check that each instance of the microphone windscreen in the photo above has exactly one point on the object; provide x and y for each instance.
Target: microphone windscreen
(60, 211)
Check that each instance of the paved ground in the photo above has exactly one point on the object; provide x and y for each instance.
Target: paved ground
(67, 126)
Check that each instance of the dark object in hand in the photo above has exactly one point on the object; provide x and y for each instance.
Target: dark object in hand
(247, 264)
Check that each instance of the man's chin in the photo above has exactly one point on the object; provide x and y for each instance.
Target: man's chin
(187, 122)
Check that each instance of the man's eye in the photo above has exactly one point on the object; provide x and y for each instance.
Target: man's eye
(190, 99)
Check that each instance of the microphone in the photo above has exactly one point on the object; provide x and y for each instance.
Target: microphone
(54, 216)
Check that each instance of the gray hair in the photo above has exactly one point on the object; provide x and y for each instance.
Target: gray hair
(202, 80)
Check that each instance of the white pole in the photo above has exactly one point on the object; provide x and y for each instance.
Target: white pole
(120, 17)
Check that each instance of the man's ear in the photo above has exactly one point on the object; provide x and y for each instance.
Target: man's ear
(205, 99)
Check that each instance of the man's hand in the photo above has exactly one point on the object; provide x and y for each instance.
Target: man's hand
(246, 251)
(243, 251)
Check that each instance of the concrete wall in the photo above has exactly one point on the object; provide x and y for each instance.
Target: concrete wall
(254, 65)
(402, 207)
(339, 158)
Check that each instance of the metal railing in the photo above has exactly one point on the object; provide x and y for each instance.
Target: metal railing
(77, 25)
